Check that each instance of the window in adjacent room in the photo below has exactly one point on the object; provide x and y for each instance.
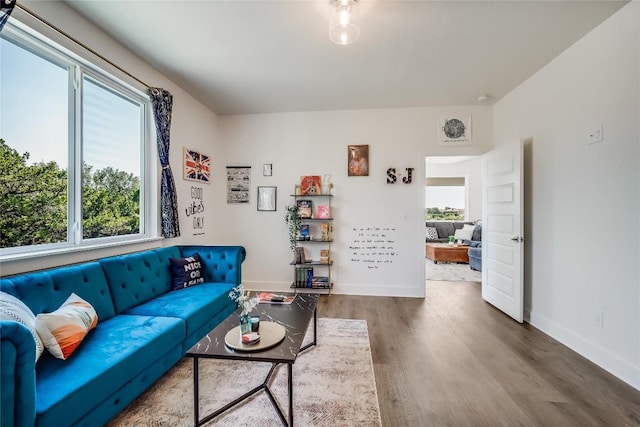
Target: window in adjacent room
(446, 199)
(73, 141)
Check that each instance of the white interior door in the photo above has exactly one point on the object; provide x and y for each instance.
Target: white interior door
(502, 229)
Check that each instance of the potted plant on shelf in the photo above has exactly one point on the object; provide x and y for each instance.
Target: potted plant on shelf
(292, 218)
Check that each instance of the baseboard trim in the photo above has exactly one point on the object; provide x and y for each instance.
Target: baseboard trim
(611, 363)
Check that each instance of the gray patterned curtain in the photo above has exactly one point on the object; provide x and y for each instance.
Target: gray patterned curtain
(162, 103)
(6, 7)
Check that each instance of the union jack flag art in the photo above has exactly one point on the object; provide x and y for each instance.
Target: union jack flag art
(196, 166)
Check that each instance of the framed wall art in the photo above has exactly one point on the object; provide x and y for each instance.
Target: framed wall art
(267, 198)
(196, 166)
(454, 130)
(358, 160)
(238, 180)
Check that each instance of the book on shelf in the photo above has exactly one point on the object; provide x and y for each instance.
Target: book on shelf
(323, 212)
(319, 282)
(305, 208)
(324, 256)
(325, 231)
(304, 231)
(271, 298)
(310, 185)
(304, 277)
(300, 257)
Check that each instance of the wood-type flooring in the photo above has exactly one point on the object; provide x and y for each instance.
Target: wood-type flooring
(452, 359)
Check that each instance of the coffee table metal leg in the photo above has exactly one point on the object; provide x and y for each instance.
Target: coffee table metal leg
(315, 331)
(196, 393)
(290, 369)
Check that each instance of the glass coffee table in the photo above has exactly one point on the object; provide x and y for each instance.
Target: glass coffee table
(294, 317)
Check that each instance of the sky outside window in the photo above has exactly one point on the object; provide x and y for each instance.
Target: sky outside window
(34, 105)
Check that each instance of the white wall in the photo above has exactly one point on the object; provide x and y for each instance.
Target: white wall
(193, 125)
(582, 201)
(316, 143)
(470, 169)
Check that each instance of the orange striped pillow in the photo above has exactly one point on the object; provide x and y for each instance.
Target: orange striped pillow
(63, 330)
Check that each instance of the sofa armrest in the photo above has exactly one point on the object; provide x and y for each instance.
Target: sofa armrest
(222, 264)
(17, 375)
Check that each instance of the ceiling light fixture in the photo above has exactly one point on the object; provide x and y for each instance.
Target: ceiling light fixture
(343, 27)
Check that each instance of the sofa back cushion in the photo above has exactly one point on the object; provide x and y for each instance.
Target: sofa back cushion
(477, 233)
(221, 264)
(33, 289)
(88, 282)
(446, 228)
(45, 291)
(138, 277)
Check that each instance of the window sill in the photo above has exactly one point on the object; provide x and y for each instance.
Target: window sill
(68, 250)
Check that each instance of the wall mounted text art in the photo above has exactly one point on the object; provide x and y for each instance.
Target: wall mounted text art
(393, 175)
(373, 247)
(195, 210)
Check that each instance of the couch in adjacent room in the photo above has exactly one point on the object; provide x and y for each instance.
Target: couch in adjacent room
(139, 327)
(439, 231)
(475, 256)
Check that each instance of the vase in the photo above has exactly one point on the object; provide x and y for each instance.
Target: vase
(245, 324)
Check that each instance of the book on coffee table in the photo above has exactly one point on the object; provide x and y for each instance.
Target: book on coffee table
(272, 298)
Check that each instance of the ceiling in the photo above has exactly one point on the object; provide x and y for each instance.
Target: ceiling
(240, 57)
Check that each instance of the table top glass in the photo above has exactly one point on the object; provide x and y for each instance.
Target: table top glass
(295, 318)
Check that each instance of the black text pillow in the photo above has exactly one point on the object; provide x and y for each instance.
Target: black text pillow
(187, 271)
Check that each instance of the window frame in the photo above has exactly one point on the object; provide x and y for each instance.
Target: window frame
(80, 67)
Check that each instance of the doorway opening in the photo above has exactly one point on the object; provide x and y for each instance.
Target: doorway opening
(453, 210)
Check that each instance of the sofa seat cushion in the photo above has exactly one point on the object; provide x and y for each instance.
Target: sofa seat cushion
(196, 304)
(113, 353)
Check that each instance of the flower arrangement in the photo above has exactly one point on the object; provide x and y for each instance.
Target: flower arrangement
(244, 299)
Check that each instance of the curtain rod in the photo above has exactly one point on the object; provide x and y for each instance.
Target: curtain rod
(79, 43)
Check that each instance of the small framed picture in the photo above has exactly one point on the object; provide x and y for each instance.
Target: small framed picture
(454, 130)
(267, 169)
(358, 160)
(267, 198)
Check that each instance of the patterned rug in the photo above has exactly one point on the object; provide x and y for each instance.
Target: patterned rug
(451, 271)
(334, 385)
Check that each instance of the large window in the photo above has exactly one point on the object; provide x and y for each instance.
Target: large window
(73, 142)
(446, 199)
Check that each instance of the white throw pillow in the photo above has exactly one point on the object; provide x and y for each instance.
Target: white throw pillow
(11, 308)
(463, 234)
(63, 330)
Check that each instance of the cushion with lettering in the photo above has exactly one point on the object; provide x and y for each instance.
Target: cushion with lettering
(187, 271)
(63, 330)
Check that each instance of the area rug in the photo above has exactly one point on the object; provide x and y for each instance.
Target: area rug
(334, 385)
(451, 271)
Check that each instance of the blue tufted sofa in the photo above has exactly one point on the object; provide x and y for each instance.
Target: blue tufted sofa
(144, 328)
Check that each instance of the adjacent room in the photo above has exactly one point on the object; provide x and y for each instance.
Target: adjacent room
(320, 213)
(453, 200)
